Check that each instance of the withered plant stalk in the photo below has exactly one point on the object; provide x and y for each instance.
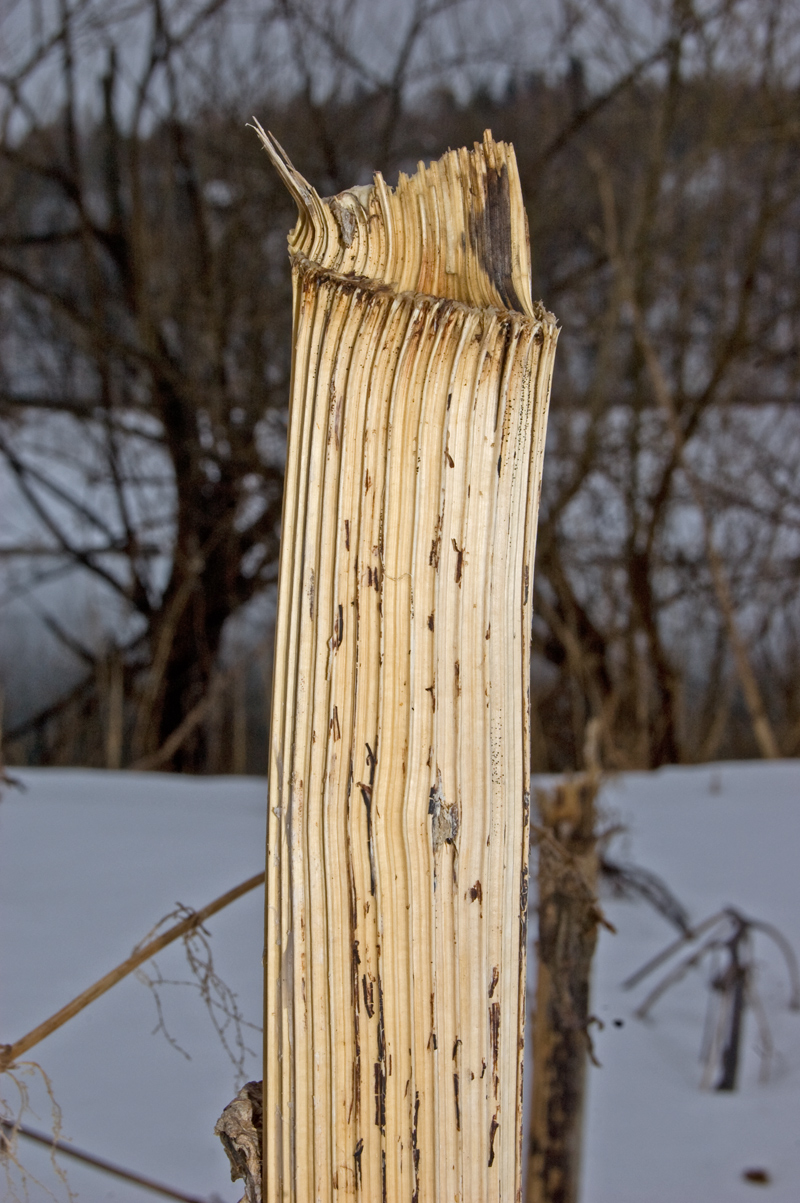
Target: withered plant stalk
(399, 780)
(567, 935)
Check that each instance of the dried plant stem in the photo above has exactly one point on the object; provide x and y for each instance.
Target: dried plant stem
(9, 1053)
(399, 781)
(567, 935)
(97, 1163)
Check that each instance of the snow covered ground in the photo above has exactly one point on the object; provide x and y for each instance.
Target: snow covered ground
(89, 861)
(718, 835)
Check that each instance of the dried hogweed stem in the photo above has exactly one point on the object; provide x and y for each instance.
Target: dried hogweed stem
(399, 781)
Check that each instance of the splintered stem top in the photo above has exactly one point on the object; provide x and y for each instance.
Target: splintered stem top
(455, 230)
(399, 789)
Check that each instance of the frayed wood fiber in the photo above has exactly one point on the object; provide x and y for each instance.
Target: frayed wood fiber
(399, 780)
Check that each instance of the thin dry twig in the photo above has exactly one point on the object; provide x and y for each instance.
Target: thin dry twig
(12, 1128)
(729, 947)
(219, 999)
(661, 957)
(10, 1052)
(98, 1163)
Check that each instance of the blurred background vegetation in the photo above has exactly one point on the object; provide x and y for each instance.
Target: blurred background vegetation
(145, 314)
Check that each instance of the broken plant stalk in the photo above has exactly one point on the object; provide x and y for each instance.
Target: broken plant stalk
(399, 780)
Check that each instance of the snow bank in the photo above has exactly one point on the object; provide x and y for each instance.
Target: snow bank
(89, 861)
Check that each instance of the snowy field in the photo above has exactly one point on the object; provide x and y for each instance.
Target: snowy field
(90, 861)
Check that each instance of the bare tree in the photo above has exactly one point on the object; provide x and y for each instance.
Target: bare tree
(144, 342)
(145, 434)
(676, 292)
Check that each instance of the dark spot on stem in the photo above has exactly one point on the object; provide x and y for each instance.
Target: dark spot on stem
(490, 236)
(355, 961)
(366, 794)
(380, 1066)
(461, 561)
(369, 996)
(380, 1095)
(492, 1133)
(415, 1151)
(494, 1030)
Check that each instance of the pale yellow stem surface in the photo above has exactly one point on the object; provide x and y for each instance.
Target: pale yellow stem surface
(399, 780)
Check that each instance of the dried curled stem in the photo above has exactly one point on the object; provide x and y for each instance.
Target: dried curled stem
(399, 788)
